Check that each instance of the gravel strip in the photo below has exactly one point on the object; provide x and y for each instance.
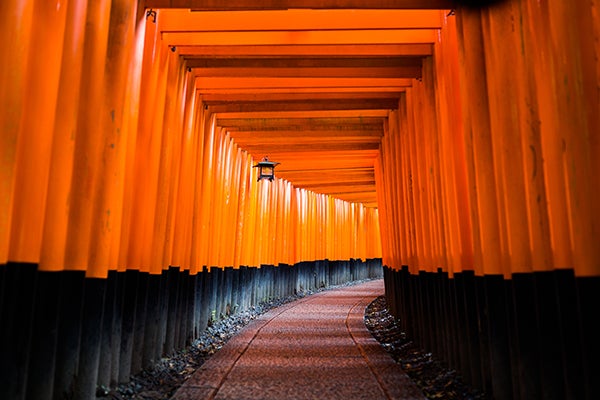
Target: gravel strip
(435, 379)
(162, 380)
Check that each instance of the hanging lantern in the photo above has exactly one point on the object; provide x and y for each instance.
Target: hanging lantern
(266, 169)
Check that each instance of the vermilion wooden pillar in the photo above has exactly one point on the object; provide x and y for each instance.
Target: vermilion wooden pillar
(15, 26)
(63, 142)
(35, 134)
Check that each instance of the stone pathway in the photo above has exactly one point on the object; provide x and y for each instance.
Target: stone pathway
(314, 348)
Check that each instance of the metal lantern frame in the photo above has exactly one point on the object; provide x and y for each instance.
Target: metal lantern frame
(266, 169)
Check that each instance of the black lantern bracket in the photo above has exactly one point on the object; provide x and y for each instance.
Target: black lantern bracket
(266, 169)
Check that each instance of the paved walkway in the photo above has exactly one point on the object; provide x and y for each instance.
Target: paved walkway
(314, 348)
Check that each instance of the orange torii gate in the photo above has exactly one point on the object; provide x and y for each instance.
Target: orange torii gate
(457, 146)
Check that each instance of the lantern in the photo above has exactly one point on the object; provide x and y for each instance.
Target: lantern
(266, 169)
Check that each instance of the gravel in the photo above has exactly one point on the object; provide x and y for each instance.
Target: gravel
(162, 380)
(433, 377)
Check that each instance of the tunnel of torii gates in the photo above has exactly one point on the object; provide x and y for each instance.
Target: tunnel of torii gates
(452, 149)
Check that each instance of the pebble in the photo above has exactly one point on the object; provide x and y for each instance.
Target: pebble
(431, 375)
(161, 381)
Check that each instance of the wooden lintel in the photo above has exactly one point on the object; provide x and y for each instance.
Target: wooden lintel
(320, 162)
(308, 148)
(335, 157)
(302, 67)
(304, 141)
(353, 192)
(317, 37)
(252, 93)
(303, 62)
(318, 72)
(174, 20)
(358, 189)
(297, 50)
(289, 84)
(321, 180)
(305, 95)
(220, 5)
(344, 134)
(345, 173)
(303, 123)
(364, 115)
(343, 104)
(311, 168)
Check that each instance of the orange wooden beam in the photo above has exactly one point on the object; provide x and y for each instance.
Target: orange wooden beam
(290, 37)
(297, 50)
(303, 175)
(303, 62)
(310, 148)
(305, 105)
(312, 4)
(294, 115)
(250, 93)
(330, 134)
(173, 20)
(275, 141)
(205, 84)
(340, 67)
(287, 121)
(321, 160)
(209, 98)
(318, 72)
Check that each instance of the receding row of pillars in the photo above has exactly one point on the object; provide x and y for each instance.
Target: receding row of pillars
(529, 337)
(63, 335)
